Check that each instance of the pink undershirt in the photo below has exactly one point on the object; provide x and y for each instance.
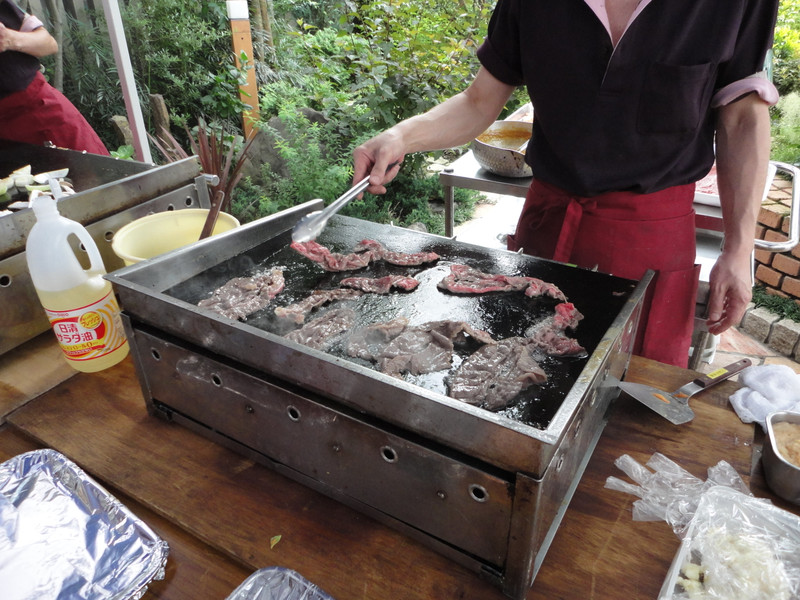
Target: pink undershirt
(757, 82)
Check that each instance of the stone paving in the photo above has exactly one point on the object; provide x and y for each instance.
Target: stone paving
(782, 336)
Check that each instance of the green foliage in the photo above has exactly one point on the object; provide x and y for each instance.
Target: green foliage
(784, 307)
(382, 61)
(125, 152)
(182, 50)
(312, 171)
(786, 48)
(409, 55)
(786, 60)
(786, 129)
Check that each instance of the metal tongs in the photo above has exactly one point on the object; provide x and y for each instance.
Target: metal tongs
(310, 226)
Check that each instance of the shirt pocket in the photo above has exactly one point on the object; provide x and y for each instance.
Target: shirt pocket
(675, 98)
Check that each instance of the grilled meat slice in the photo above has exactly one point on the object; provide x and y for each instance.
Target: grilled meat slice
(380, 285)
(427, 348)
(242, 296)
(322, 332)
(365, 252)
(464, 279)
(297, 312)
(368, 342)
(496, 374)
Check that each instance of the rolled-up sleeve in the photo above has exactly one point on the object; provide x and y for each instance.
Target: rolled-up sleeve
(757, 83)
(742, 72)
(31, 23)
(500, 53)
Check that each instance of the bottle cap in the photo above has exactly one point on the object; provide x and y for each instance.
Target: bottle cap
(42, 204)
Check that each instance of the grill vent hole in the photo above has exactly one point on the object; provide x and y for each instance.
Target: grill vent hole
(155, 354)
(5, 280)
(478, 493)
(294, 413)
(216, 380)
(389, 455)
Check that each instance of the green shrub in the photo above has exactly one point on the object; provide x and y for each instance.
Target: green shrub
(786, 129)
(182, 50)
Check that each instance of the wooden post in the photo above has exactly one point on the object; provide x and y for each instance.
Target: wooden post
(243, 43)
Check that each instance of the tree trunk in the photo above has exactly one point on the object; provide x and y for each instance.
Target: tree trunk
(266, 22)
(257, 23)
(92, 12)
(69, 8)
(58, 34)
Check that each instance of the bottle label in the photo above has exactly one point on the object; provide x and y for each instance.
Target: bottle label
(90, 331)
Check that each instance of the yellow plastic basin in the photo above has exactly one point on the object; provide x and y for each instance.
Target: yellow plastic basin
(162, 232)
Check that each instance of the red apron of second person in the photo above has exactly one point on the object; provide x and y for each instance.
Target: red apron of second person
(40, 114)
(31, 110)
(625, 234)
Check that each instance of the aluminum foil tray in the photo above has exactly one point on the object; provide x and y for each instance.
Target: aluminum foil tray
(277, 583)
(63, 536)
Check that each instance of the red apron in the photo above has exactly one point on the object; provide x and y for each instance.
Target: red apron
(624, 234)
(40, 113)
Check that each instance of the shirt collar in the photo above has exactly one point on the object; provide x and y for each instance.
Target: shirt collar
(599, 9)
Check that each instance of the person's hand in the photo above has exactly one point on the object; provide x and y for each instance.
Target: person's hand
(730, 290)
(380, 158)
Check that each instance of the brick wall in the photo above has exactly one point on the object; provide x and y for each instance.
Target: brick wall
(778, 273)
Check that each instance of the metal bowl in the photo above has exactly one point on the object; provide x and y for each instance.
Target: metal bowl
(497, 148)
(783, 477)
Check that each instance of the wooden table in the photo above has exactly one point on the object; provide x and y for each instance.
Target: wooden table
(221, 513)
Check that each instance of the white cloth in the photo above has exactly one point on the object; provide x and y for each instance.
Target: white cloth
(768, 388)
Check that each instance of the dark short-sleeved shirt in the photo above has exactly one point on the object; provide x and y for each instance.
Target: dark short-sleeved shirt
(17, 69)
(637, 117)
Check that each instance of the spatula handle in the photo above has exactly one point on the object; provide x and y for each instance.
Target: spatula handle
(722, 373)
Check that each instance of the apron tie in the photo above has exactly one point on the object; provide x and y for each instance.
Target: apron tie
(570, 227)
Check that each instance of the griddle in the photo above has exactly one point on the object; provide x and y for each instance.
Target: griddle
(486, 489)
(501, 314)
(86, 171)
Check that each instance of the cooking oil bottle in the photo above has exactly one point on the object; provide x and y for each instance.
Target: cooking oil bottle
(79, 303)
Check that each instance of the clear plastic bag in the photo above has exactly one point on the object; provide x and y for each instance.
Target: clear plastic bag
(734, 546)
(669, 492)
(737, 548)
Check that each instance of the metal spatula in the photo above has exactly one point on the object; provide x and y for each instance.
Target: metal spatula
(310, 226)
(674, 406)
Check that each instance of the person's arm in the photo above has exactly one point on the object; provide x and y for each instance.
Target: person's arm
(743, 146)
(452, 123)
(37, 43)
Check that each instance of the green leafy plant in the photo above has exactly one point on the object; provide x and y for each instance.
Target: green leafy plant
(313, 165)
(786, 308)
(125, 152)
